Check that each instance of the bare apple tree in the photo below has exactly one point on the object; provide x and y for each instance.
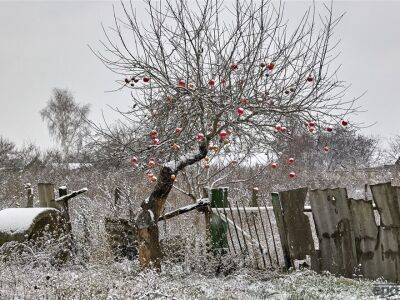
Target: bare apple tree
(206, 77)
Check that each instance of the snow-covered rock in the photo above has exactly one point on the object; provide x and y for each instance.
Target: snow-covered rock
(24, 223)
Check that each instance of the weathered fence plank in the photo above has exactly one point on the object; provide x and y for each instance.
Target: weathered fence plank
(276, 204)
(366, 235)
(29, 195)
(386, 259)
(297, 224)
(218, 227)
(46, 195)
(332, 219)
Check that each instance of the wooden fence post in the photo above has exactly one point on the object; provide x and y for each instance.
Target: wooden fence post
(218, 227)
(29, 194)
(63, 205)
(278, 212)
(46, 195)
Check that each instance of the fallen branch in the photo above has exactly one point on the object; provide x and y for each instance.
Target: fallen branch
(71, 195)
(200, 203)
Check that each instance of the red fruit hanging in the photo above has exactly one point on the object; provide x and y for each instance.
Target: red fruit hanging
(274, 165)
(134, 161)
(146, 79)
(200, 137)
(311, 123)
(290, 160)
(344, 123)
(156, 141)
(234, 67)
(153, 134)
(278, 127)
(178, 130)
(223, 135)
(135, 79)
(240, 111)
(211, 82)
(326, 148)
(329, 129)
(310, 79)
(151, 163)
(283, 129)
(292, 175)
(271, 66)
(181, 83)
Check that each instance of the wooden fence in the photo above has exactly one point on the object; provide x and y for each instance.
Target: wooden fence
(335, 233)
(356, 237)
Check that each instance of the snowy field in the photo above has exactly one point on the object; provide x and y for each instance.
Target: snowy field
(124, 281)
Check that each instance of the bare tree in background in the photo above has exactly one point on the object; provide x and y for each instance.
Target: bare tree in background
(207, 79)
(342, 148)
(394, 149)
(66, 120)
(7, 149)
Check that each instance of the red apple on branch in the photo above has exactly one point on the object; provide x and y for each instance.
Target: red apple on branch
(240, 111)
(200, 137)
(181, 83)
(223, 135)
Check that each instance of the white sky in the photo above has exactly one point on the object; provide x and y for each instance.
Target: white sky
(44, 45)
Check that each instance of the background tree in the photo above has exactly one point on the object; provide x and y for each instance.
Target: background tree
(66, 120)
(206, 78)
(338, 148)
(394, 150)
(7, 150)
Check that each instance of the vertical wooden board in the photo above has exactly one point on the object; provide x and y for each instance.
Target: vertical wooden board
(276, 204)
(219, 228)
(385, 198)
(387, 259)
(46, 195)
(364, 225)
(297, 224)
(332, 219)
(366, 237)
(29, 194)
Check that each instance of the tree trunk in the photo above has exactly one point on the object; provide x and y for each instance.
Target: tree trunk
(146, 221)
(152, 207)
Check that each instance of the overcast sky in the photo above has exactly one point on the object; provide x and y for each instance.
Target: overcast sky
(44, 45)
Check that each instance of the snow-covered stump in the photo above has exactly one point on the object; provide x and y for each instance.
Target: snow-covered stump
(25, 224)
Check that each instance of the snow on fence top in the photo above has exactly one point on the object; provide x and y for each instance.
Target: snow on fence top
(19, 220)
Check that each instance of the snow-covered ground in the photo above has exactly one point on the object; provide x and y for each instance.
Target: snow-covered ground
(124, 281)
